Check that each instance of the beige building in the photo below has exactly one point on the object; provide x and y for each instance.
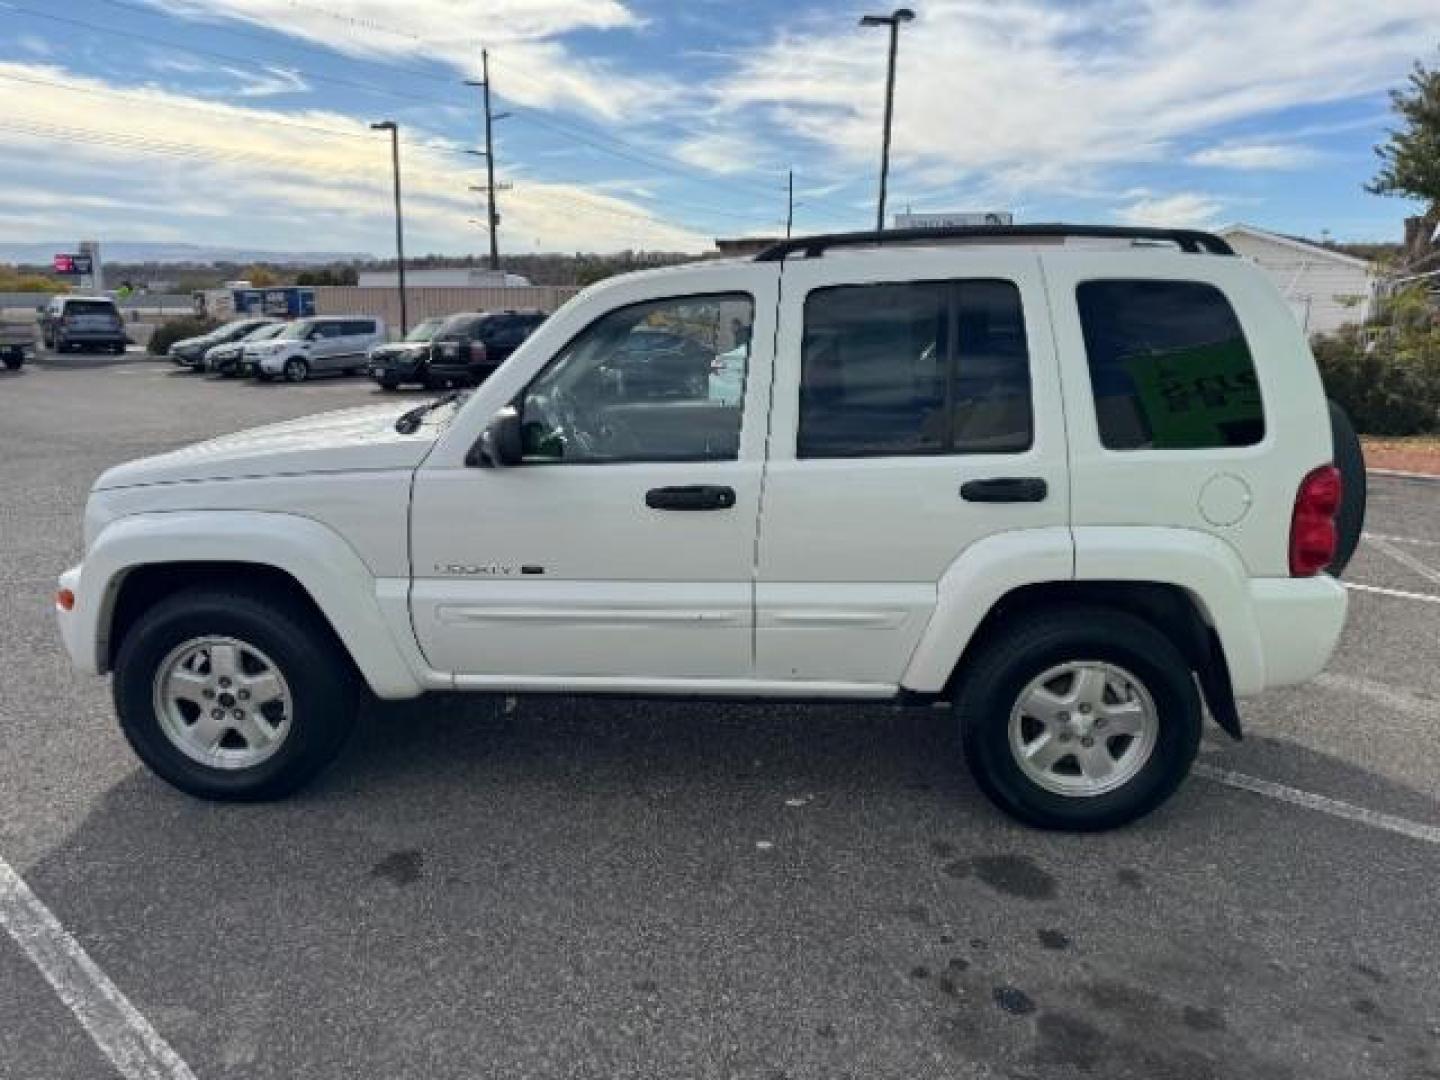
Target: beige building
(1324, 287)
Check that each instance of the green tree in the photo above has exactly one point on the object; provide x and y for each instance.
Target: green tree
(1410, 156)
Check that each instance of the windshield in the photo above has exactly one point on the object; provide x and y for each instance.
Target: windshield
(459, 326)
(294, 330)
(265, 333)
(89, 307)
(424, 331)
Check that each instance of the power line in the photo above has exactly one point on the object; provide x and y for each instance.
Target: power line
(612, 144)
(229, 58)
(252, 116)
(290, 42)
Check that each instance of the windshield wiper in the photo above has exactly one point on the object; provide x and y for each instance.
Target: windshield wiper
(409, 422)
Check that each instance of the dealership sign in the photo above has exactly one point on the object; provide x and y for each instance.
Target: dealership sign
(961, 220)
(74, 264)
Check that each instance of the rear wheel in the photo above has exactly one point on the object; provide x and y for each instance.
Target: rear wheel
(1079, 719)
(389, 384)
(14, 361)
(230, 696)
(296, 370)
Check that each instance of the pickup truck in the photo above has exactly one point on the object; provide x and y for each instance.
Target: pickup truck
(1081, 493)
(17, 341)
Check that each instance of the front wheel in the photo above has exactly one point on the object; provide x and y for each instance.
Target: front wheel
(14, 361)
(1079, 719)
(296, 370)
(234, 697)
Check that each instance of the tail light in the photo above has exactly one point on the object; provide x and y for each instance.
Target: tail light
(1313, 537)
(475, 352)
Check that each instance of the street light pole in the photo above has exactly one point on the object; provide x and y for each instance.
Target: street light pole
(893, 21)
(394, 129)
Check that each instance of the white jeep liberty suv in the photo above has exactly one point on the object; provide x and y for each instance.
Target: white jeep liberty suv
(1081, 482)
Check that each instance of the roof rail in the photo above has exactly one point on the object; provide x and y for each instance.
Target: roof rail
(1190, 241)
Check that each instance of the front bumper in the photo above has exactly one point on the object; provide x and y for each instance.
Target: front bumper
(77, 625)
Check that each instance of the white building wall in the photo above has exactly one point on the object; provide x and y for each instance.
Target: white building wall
(1324, 291)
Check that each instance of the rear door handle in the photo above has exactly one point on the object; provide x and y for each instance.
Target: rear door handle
(691, 497)
(1005, 489)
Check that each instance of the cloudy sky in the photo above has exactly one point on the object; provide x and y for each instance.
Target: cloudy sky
(662, 123)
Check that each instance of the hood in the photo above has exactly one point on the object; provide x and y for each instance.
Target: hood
(193, 342)
(344, 441)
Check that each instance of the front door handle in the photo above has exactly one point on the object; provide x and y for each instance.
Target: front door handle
(691, 497)
(1005, 489)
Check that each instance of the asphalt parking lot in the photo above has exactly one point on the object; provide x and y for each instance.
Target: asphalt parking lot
(549, 887)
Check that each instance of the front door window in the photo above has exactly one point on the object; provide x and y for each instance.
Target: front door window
(658, 381)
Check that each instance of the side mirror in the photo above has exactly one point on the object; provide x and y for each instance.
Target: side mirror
(499, 444)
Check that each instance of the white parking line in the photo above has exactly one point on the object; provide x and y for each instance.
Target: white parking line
(122, 1034)
(1430, 834)
(1405, 559)
(1401, 701)
(1399, 594)
(1400, 539)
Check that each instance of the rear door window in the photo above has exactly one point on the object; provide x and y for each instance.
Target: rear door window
(919, 368)
(1170, 368)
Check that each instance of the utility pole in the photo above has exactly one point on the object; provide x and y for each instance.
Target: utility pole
(489, 155)
(893, 21)
(394, 129)
(789, 202)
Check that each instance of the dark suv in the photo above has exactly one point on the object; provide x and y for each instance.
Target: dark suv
(469, 347)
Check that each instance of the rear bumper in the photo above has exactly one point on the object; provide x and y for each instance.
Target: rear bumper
(92, 337)
(1298, 622)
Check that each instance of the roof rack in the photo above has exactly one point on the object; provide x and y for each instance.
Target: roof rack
(1190, 241)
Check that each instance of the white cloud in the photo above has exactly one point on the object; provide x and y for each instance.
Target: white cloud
(268, 82)
(36, 46)
(225, 172)
(530, 65)
(1035, 98)
(1256, 157)
(727, 153)
(1185, 209)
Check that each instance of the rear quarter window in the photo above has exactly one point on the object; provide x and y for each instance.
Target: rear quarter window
(1170, 368)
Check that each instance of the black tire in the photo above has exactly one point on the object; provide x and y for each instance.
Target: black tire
(389, 384)
(14, 361)
(1025, 647)
(1350, 460)
(323, 683)
(296, 369)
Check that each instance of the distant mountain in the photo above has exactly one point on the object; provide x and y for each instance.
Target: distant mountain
(147, 251)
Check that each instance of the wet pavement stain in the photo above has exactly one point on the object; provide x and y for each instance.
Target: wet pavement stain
(1200, 1019)
(1013, 1001)
(1053, 939)
(1131, 879)
(1014, 875)
(399, 867)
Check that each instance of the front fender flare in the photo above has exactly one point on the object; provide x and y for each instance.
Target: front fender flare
(370, 616)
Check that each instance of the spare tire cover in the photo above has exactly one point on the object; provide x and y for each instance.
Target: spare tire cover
(1350, 460)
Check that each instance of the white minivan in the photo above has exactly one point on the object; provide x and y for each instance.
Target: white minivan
(312, 346)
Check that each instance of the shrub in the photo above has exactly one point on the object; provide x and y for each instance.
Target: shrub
(166, 334)
(1387, 377)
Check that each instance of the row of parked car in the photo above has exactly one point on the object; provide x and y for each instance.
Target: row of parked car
(458, 349)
